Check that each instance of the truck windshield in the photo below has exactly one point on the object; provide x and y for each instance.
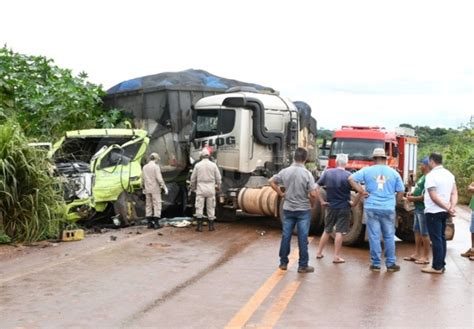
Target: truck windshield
(214, 122)
(357, 149)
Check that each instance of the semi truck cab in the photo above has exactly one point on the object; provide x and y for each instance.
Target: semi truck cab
(359, 142)
(252, 135)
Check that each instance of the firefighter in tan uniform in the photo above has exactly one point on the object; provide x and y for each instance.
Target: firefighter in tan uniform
(205, 179)
(153, 183)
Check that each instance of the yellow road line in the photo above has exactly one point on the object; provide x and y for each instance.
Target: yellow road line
(246, 312)
(70, 259)
(273, 314)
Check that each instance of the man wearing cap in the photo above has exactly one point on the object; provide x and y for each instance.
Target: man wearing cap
(205, 180)
(381, 184)
(440, 202)
(153, 183)
(422, 238)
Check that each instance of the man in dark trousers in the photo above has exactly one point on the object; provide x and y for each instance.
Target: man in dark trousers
(299, 187)
(440, 202)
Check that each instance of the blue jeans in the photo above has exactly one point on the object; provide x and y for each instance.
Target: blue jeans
(436, 226)
(381, 222)
(302, 220)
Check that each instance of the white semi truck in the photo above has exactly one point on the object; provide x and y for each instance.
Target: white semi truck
(252, 135)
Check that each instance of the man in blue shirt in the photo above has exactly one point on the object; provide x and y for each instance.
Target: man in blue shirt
(381, 184)
(338, 203)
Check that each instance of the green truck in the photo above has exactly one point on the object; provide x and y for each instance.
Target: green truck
(100, 170)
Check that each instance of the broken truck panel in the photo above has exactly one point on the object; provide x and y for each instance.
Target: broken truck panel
(118, 169)
(96, 166)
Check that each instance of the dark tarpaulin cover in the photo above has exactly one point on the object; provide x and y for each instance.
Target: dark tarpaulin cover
(187, 78)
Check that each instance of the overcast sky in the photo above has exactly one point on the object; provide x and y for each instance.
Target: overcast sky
(355, 62)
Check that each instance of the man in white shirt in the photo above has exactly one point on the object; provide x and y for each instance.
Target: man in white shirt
(440, 202)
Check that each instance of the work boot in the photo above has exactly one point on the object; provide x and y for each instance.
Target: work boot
(156, 223)
(199, 225)
(211, 225)
(151, 224)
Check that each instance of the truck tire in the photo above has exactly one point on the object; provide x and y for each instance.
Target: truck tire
(225, 214)
(356, 233)
(404, 229)
(317, 218)
(128, 206)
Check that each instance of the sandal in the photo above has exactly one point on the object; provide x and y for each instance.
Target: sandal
(422, 262)
(319, 256)
(338, 261)
(410, 259)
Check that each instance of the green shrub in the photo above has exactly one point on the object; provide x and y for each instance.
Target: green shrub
(31, 202)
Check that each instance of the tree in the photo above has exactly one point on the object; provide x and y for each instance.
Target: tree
(48, 100)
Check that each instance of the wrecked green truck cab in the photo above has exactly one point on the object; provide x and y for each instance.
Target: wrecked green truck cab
(100, 170)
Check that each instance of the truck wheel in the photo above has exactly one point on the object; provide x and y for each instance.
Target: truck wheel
(317, 219)
(404, 229)
(225, 214)
(125, 207)
(356, 233)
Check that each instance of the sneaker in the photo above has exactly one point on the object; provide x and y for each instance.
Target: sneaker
(393, 268)
(307, 269)
(432, 270)
(283, 267)
(468, 253)
(374, 268)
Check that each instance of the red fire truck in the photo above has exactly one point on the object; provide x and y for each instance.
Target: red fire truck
(401, 147)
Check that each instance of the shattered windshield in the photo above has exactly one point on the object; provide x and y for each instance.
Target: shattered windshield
(214, 122)
(357, 149)
(83, 149)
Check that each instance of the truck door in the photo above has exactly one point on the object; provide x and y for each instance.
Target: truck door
(118, 168)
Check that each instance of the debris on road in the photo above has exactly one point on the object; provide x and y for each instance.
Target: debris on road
(176, 221)
(158, 245)
(113, 238)
(72, 235)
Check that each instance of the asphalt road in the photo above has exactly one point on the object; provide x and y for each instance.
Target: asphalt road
(178, 278)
